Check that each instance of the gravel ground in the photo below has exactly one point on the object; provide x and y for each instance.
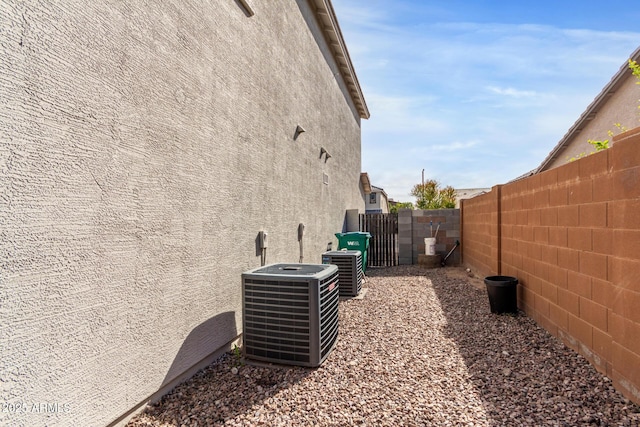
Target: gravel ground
(421, 349)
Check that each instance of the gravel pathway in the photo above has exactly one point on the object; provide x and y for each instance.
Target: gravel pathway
(421, 349)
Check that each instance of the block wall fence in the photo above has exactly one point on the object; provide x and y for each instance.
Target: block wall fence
(414, 227)
(571, 235)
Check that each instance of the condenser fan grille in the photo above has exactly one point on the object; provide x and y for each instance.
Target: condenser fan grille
(349, 265)
(277, 319)
(291, 319)
(329, 294)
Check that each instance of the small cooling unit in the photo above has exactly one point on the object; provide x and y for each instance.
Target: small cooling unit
(290, 313)
(349, 270)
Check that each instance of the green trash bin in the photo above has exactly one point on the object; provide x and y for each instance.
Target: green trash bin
(357, 241)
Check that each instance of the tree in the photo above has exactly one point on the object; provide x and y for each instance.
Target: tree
(448, 197)
(430, 196)
(400, 205)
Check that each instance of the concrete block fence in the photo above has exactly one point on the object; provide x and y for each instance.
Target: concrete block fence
(571, 235)
(414, 227)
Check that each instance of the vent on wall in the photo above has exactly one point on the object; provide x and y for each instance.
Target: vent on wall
(290, 313)
(325, 178)
(349, 265)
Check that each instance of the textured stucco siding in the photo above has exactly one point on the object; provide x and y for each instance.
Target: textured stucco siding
(621, 107)
(142, 149)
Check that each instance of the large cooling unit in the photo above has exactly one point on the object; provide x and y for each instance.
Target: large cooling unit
(290, 313)
(349, 270)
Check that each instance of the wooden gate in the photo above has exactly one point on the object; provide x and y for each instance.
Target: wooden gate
(383, 246)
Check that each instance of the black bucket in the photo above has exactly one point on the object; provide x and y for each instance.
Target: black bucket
(502, 291)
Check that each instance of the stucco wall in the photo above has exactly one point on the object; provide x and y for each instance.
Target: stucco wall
(621, 107)
(381, 202)
(143, 148)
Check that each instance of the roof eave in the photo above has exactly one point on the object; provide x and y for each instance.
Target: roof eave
(365, 182)
(591, 111)
(329, 22)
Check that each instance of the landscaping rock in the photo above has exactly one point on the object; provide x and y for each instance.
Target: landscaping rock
(422, 349)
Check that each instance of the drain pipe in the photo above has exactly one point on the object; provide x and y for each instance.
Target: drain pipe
(300, 235)
(262, 243)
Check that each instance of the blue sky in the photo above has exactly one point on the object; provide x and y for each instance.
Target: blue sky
(477, 92)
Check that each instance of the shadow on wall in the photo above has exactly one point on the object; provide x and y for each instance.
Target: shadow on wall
(209, 335)
(223, 389)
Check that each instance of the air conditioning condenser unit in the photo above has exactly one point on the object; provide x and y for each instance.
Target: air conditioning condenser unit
(349, 270)
(290, 313)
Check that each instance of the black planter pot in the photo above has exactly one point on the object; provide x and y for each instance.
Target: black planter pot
(503, 296)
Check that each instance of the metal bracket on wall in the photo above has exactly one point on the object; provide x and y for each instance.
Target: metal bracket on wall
(299, 130)
(247, 9)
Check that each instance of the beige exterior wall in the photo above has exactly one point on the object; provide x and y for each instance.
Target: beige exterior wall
(381, 202)
(469, 193)
(622, 107)
(143, 148)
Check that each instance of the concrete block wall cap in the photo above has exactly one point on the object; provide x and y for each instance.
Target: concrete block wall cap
(628, 134)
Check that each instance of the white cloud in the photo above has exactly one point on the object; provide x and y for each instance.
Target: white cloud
(475, 104)
(509, 91)
(437, 147)
(402, 114)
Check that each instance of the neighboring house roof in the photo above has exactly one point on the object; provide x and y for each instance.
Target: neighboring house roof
(327, 18)
(523, 176)
(368, 188)
(365, 182)
(375, 189)
(382, 201)
(614, 84)
(467, 193)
